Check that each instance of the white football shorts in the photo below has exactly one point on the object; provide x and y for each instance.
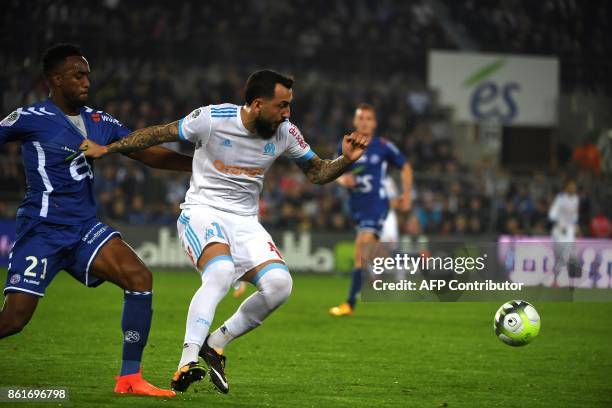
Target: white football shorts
(249, 242)
(390, 230)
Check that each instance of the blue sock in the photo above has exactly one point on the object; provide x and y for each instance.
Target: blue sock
(135, 323)
(355, 286)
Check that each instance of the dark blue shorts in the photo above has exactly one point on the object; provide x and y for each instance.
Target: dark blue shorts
(42, 249)
(370, 219)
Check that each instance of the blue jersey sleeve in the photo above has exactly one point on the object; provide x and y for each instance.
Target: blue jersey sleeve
(11, 127)
(393, 155)
(118, 131)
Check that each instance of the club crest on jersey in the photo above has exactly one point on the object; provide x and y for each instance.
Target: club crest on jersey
(226, 143)
(269, 149)
(374, 159)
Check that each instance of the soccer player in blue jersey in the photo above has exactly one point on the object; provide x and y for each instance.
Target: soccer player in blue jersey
(368, 201)
(57, 226)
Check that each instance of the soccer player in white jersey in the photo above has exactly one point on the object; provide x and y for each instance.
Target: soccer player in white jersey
(234, 146)
(563, 213)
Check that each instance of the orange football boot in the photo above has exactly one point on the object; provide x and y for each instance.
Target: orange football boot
(238, 292)
(343, 310)
(135, 384)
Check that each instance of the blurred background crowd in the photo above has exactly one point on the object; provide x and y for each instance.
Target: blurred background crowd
(153, 62)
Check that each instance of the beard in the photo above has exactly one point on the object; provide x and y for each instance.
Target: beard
(265, 128)
(78, 101)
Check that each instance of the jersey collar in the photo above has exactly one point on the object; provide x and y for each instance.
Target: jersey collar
(61, 118)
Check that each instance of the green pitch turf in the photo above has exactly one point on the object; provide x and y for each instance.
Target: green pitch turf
(388, 354)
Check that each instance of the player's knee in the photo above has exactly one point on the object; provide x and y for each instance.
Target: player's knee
(12, 324)
(137, 278)
(219, 274)
(277, 285)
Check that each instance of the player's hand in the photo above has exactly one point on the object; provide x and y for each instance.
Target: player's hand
(93, 150)
(405, 203)
(347, 180)
(354, 145)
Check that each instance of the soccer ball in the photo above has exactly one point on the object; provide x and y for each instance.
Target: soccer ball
(516, 323)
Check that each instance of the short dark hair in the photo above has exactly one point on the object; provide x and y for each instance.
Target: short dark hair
(262, 83)
(56, 55)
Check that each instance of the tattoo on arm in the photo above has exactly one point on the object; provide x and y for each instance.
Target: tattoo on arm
(321, 171)
(147, 137)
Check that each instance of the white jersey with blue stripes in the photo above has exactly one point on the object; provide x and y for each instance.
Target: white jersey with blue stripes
(229, 162)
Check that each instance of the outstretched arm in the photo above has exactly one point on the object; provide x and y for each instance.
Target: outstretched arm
(138, 140)
(321, 171)
(159, 157)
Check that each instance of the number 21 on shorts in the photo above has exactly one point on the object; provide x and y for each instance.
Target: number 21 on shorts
(33, 263)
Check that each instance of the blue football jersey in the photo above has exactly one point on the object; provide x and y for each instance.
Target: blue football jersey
(58, 190)
(370, 171)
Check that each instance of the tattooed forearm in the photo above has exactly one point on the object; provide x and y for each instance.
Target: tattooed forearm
(147, 137)
(321, 171)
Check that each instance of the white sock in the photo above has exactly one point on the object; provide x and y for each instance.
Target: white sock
(216, 281)
(273, 289)
(190, 354)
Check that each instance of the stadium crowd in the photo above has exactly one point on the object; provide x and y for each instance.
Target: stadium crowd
(149, 81)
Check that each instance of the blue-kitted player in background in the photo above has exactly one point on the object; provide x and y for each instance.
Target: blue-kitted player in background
(57, 226)
(368, 201)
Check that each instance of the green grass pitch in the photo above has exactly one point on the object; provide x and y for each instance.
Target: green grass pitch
(388, 354)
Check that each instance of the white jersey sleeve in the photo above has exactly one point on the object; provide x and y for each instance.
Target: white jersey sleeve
(196, 127)
(297, 148)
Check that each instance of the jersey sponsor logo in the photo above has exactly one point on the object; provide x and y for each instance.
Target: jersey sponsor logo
(269, 149)
(10, 119)
(293, 130)
(106, 118)
(237, 170)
